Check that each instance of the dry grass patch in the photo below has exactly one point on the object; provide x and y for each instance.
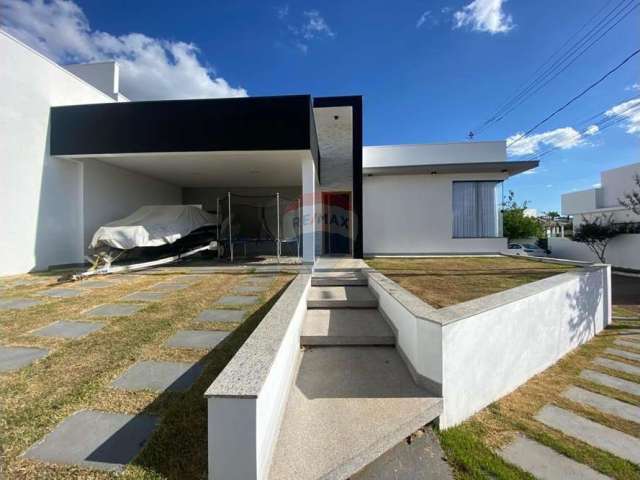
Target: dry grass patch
(495, 426)
(445, 281)
(77, 373)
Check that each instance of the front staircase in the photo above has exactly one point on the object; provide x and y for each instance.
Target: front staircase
(353, 398)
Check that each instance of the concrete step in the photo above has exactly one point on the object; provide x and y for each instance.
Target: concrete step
(335, 279)
(345, 327)
(347, 407)
(341, 297)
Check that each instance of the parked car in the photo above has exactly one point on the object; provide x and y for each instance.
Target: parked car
(527, 249)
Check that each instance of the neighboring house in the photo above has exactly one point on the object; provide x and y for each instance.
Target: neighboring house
(77, 154)
(602, 201)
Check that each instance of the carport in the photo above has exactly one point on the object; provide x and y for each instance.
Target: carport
(260, 154)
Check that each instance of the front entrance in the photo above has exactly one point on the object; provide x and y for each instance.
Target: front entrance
(336, 215)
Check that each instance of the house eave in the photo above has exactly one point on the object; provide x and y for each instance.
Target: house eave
(509, 167)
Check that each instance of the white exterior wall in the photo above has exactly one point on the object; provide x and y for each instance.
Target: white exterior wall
(413, 214)
(41, 208)
(433, 154)
(105, 76)
(111, 192)
(489, 354)
(623, 251)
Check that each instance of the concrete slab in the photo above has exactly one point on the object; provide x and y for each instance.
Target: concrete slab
(623, 354)
(61, 293)
(545, 463)
(615, 365)
(597, 435)
(348, 406)
(341, 297)
(145, 297)
(18, 303)
(328, 279)
(238, 300)
(114, 310)
(63, 329)
(97, 284)
(222, 316)
(99, 440)
(250, 289)
(196, 339)
(422, 459)
(603, 403)
(611, 382)
(15, 358)
(158, 376)
(624, 343)
(346, 327)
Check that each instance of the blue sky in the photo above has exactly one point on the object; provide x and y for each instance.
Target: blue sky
(429, 71)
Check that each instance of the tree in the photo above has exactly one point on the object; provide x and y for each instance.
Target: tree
(552, 214)
(596, 234)
(632, 200)
(515, 223)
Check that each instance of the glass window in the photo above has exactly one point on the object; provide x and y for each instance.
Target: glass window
(476, 209)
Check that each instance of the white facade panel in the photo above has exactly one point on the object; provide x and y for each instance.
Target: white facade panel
(433, 154)
(413, 214)
(41, 208)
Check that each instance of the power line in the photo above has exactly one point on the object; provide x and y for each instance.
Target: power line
(581, 94)
(619, 12)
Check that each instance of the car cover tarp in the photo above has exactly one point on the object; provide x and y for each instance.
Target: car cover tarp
(152, 226)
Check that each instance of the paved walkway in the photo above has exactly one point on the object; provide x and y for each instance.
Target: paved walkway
(544, 462)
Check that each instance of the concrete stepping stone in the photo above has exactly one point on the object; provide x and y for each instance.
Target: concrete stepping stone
(222, 316)
(623, 354)
(545, 463)
(196, 339)
(14, 358)
(158, 376)
(250, 289)
(603, 403)
(99, 440)
(144, 297)
(597, 435)
(61, 293)
(63, 329)
(611, 382)
(18, 303)
(624, 343)
(341, 297)
(114, 310)
(168, 287)
(97, 284)
(238, 300)
(615, 365)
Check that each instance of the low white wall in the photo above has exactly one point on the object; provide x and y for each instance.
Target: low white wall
(490, 353)
(623, 251)
(475, 352)
(112, 192)
(413, 214)
(41, 202)
(246, 402)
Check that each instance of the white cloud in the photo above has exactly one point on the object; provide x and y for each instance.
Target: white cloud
(423, 18)
(591, 130)
(635, 86)
(563, 138)
(596, 185)
(150, 68)
(484, 16)
(630, 111)
(533, 171)
(311, 27)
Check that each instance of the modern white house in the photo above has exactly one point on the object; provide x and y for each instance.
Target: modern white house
(600, 201)
(76, 154)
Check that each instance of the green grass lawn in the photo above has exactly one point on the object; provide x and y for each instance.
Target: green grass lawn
(77, 373)
(445, 281)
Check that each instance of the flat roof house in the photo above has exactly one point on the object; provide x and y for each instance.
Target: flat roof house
(76, 154)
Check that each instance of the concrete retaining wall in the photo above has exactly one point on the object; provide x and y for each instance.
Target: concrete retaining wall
(475, 352)
(246, 402)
